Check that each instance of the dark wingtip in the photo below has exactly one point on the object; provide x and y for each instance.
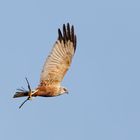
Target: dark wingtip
(60, 36)
(68, 34)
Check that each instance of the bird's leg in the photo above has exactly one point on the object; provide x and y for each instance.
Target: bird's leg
(30, 96)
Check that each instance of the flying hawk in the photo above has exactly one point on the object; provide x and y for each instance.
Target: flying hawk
(55, 67)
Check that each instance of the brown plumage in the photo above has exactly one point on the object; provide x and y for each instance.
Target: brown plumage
(55, 67)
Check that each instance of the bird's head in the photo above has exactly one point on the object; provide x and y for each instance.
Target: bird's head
(63, 90)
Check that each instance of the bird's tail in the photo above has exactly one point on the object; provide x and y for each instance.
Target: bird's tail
(21, 94)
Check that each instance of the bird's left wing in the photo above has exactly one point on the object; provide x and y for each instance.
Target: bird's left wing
(59, 60)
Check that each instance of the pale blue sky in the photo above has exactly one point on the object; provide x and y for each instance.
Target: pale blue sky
(104, 79)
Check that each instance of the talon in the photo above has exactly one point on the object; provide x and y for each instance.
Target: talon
(30, 98)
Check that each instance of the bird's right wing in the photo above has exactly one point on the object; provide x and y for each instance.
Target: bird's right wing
(59, 60)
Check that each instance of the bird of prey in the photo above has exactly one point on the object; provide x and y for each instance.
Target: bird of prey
(55, 67)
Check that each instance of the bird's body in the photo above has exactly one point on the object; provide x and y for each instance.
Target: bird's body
(55, 67)
(47, 91)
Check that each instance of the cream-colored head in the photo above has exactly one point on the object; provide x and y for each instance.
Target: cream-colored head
(62, 90)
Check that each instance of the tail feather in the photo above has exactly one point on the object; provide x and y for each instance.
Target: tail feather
(20, 94)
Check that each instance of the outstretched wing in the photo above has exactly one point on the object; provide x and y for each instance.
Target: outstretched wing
(59, 60)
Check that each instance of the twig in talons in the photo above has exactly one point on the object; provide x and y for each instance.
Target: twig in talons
(29, 93)
(24, 102)
(28, 84)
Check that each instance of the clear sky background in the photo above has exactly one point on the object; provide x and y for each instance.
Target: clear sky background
(104, 79)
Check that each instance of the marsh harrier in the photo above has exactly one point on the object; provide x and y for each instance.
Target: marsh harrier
(55, 67)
